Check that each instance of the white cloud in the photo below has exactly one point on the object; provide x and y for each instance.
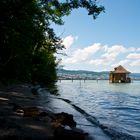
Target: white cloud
(135, 63)
(122, 62)
(113, 52)
(105, 59)
(115, 49)
(133, 56)
(83, 54)
(100, 56)
(131, 49)
(120, 49)
(138, 49)
(99, 62)
(69, 40)
(110, 55)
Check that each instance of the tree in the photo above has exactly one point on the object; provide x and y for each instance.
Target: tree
(28, 43)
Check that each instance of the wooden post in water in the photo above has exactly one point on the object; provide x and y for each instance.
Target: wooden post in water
(80, 81)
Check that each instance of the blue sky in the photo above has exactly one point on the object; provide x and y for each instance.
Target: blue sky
(100, 45)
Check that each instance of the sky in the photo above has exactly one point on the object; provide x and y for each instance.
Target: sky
(111, 40)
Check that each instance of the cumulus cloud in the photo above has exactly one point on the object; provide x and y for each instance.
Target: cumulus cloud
(80, 55)
(133, 56)
(69, 40)
(104, 59)
(135, 63)
(110, 55)
(135, 59)
(131, 49)
(138, 49)
(98, 55)
(98, 62)
(115, 49)
(120, 49)
(122, 62)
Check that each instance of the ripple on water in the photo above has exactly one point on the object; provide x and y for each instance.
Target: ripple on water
(115, 105)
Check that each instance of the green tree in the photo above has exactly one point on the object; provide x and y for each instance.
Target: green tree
(28, 43)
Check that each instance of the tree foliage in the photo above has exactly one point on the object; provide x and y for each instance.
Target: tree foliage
(28, 43)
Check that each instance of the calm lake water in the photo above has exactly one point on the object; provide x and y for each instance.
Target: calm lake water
(114, 107)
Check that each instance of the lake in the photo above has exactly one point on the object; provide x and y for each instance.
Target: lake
(115, 108)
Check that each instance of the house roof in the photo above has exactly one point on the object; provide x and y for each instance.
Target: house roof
(120, 69)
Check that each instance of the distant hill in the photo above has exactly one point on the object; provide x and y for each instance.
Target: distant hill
(83, 74)
(135, 76)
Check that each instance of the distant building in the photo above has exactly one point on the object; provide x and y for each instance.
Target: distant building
(119, 75)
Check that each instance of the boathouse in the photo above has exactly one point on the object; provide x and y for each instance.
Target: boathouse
(119, 75)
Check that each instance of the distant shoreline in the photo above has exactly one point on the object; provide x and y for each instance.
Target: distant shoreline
(93, 79)
(88, 75)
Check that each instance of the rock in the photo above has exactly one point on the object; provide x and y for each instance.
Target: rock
(43, 114)
(25, 111)
(31, 111)
(34, 91)
(15, 106)
(63, 134)
(65, 119)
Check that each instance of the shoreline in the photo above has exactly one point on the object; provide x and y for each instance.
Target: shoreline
(22, 118)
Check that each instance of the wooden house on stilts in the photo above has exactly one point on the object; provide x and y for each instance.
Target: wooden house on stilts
(119, 75)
